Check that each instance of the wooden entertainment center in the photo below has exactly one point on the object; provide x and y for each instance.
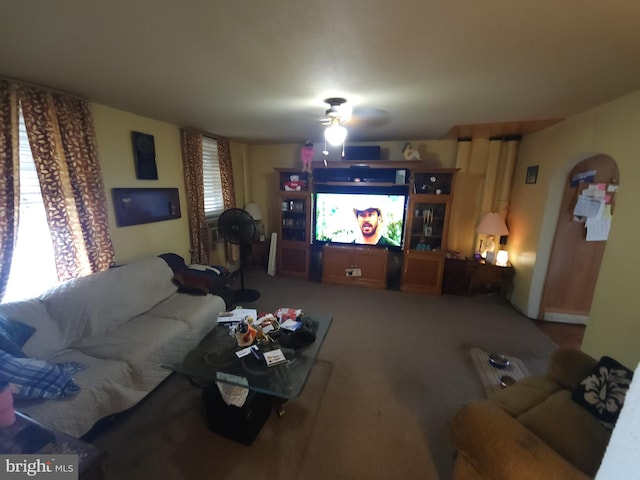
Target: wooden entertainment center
(416, 267)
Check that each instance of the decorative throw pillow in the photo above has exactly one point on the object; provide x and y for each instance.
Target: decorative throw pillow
(602, 393)
(31, 378)
(13, 335)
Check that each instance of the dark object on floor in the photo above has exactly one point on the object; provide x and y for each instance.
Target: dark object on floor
(241, 424)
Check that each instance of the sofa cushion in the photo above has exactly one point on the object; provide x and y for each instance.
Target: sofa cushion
(97, 303)
(13, 335)
(603, 391)
(199, 313)
(569, 366)
(106, 388)
(524, 394)
(496, 446)
(569, 430)
(144, 343)
(32, 378)
(47, 338)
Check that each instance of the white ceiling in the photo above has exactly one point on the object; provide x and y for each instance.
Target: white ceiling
(258, 70)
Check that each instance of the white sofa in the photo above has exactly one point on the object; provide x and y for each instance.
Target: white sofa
(123, 324)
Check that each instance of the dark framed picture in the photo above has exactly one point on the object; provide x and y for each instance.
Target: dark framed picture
(144, 155)
(134, 206)
(532, 174)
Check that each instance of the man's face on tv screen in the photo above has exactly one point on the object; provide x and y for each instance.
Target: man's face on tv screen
(369, 221)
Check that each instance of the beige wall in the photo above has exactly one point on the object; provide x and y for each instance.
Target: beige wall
(113, 132)
(612, 129)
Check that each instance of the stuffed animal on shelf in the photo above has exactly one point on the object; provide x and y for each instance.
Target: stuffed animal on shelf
(409, 153)
(306, 153)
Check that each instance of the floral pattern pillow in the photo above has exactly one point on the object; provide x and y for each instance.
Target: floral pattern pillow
(603, 392)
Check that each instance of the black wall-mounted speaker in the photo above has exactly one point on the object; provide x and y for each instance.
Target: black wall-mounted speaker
(144, 154)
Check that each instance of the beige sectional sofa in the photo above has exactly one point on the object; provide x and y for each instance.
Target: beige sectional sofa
(532, 429)
(122, 324)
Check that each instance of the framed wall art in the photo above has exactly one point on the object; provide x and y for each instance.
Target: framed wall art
(532, 174)
(144, 155)
(134, 206)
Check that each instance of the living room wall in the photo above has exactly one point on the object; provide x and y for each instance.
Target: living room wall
(611, 129)
(113, 132)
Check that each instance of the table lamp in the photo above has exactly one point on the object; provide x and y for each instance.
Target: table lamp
(491, 225)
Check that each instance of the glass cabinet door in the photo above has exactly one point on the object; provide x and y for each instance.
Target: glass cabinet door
(427, 226)
(294, 219)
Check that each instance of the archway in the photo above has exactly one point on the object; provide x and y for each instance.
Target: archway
(574, 263)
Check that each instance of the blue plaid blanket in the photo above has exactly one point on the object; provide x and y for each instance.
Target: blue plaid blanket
(32, 378)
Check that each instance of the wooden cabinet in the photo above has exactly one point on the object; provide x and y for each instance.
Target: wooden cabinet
(426, 230)
(468, 277)
(426, 227)
(355, 265)
(294, 222)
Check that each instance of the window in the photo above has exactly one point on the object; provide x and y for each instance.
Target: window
(33, 268)
(213, 202)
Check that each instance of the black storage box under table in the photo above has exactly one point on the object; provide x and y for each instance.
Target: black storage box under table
(241, 424)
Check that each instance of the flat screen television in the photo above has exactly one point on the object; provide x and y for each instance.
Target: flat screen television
(360, 218)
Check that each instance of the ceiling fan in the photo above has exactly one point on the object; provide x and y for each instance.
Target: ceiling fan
(341, 113)
(335, 116)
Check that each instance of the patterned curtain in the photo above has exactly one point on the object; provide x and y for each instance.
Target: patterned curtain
(228, 189)
(194, 188)
(9, 179)
(62, 138)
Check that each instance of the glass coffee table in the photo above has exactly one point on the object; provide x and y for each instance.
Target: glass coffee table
(215, 360)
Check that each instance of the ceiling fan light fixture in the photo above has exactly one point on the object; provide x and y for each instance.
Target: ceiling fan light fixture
(335, 134)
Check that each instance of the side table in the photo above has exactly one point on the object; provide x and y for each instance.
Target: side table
(90, 459)
(467, 277)
(259, 252)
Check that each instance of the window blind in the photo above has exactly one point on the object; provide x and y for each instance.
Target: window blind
(213, 202)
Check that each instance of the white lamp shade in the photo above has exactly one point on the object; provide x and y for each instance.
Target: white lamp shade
(254, 210)
(492, 224)
(335, 134)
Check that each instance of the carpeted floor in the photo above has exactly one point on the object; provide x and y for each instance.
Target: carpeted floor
(392, 372)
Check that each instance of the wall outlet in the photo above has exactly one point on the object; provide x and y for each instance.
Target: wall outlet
(353, 272)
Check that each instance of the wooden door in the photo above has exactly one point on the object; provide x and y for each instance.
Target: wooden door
(574, 263)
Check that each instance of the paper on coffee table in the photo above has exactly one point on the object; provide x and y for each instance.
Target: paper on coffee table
(274, 357)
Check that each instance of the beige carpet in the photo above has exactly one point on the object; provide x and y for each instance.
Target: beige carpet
(394, 369)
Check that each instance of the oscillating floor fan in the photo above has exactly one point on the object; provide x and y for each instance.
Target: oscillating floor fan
(237, 226)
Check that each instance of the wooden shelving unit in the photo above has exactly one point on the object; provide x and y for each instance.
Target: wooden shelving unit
(427, 223)
(294, 222)
(427, 227)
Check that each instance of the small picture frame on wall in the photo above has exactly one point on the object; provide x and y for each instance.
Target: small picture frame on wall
(532, 174)
(144, 155)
